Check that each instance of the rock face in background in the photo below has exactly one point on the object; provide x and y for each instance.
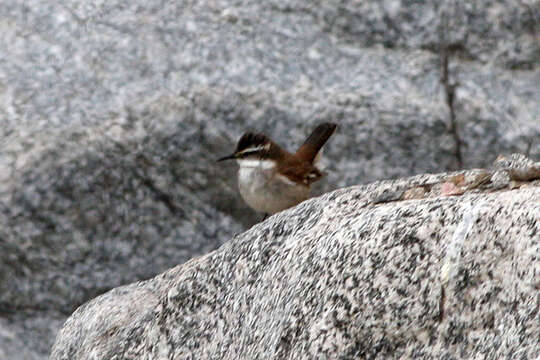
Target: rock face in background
(350, 275)
(112, 113)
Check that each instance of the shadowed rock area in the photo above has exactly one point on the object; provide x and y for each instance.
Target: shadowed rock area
(434, 266)
(113, 113)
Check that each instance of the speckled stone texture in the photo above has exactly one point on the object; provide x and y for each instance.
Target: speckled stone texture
(343, 276)
(113, 112)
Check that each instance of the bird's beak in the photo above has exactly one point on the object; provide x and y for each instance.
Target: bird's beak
(228, 157)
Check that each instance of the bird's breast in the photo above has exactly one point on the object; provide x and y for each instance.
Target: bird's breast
(265, 190)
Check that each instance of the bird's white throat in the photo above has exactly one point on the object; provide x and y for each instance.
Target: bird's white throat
(266, 191)
(255, 163)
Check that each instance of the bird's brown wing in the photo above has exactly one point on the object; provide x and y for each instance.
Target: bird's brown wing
(301, 172)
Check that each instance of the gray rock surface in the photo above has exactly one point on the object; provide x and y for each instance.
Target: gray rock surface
(344, 276)
(106, 107)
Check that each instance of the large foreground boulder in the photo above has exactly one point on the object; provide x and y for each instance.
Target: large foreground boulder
(437, 266)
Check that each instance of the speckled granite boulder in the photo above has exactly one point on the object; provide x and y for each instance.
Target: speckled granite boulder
(437, 266)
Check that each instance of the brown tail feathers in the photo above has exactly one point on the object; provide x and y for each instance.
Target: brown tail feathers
(315, 141)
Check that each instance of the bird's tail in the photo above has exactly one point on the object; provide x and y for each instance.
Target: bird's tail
(309, 150)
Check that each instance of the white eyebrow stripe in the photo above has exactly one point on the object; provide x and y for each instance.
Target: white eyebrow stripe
(252, 149)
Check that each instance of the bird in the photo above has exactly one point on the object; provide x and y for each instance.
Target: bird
(271, 179)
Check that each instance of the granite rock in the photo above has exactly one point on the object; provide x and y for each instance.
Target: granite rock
(344, 276)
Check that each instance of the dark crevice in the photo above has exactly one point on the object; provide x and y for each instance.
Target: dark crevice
(159, 194)
(446, 49)
(450, 93)
(146, 180)
(39, 215)
(442, 301)
(529, 143)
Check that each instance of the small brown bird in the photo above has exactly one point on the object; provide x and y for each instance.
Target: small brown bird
(271, 179)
